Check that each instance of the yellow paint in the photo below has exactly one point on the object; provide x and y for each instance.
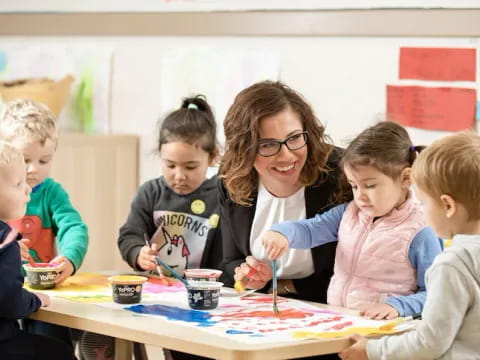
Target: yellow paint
(364, 331)
(390, 325)
(127, 279)
(238, 286)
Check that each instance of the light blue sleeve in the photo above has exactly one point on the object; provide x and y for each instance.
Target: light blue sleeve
(309, 233)
(423, 249)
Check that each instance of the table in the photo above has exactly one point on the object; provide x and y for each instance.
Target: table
(128, 327)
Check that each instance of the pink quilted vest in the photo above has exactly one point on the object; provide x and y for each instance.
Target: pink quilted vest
(372, 262)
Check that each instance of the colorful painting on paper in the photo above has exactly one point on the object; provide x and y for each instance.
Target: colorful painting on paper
(432, 108)
(438, 64)
(251, 321)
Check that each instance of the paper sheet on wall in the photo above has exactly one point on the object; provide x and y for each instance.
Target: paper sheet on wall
(88, 108)
(440, 64)
(219, 74)
(441, 108)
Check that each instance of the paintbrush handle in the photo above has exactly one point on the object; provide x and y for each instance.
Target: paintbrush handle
(171, 271)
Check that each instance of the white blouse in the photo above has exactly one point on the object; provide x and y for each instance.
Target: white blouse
(295, 263)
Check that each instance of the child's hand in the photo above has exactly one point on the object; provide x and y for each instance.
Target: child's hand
(275, 244)
(254, 273)
(379, 311)
(44, 298)
(65, 270)
(146, 257)
(358, 351)
(24, 250)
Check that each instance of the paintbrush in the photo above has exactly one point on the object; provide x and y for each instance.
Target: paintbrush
(275, 287)
(173, 272)
(147, 242)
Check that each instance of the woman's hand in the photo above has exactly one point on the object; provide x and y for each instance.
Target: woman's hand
(379, 311)
(146, 257)
(275, 244)
(253, 273)
(65, 270)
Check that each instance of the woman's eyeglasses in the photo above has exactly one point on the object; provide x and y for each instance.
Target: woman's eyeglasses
(272, 147)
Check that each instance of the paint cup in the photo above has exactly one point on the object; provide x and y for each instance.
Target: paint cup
(127, 289)
(202, 274)
(203, 295)
(42, 275)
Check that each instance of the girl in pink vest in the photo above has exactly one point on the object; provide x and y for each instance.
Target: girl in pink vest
(384, 245)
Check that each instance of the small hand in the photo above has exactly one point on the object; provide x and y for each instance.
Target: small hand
(275, 244)
(25, 251)
(379, 311)
(65, 269)
(146, 257)
(358, 351)
(44, 298)
(256, 272)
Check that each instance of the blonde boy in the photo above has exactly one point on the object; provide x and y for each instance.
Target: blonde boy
(447, 181)
(15, 301)
(53, 229)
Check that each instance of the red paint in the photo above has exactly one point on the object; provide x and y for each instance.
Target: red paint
(341, 325)
(43, 265)
(262, 300)
(166, 281)
(284, 314)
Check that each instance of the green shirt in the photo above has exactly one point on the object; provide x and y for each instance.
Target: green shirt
(52, 225)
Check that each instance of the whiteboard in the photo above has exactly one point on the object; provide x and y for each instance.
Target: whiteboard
(224, 5)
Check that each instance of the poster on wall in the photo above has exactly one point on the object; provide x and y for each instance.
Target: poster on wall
(87, 106)
(432, 108)
(219, 74)
(438, 64)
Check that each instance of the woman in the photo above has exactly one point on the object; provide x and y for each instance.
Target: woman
(278, 165)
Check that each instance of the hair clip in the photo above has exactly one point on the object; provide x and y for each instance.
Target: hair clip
(413, 148)
(192, 106)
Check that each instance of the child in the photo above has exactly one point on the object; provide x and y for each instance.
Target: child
(384, 246)
(53, 229)
(15, 301)
(446, 181)
(176, 214)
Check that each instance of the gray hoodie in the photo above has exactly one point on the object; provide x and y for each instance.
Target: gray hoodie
(450, 326)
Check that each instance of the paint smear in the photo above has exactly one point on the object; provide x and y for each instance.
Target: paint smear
(200, 318)
(364, 331)
(157, 286)
(238, 332)
(284, 314)
(262, 300)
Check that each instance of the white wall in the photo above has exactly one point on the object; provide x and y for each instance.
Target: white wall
(344, 78)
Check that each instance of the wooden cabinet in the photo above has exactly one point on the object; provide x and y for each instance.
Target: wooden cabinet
(100, 173)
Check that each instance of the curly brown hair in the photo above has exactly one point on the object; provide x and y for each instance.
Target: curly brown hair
(241, 127)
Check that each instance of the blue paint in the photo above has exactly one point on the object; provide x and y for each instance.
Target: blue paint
(201, 318)
(478, 111)
(238, 332)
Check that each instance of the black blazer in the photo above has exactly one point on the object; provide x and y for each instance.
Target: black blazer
(236, 222)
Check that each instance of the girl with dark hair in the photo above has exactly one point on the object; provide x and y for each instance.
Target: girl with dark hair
(178, 212)
(384, 245)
